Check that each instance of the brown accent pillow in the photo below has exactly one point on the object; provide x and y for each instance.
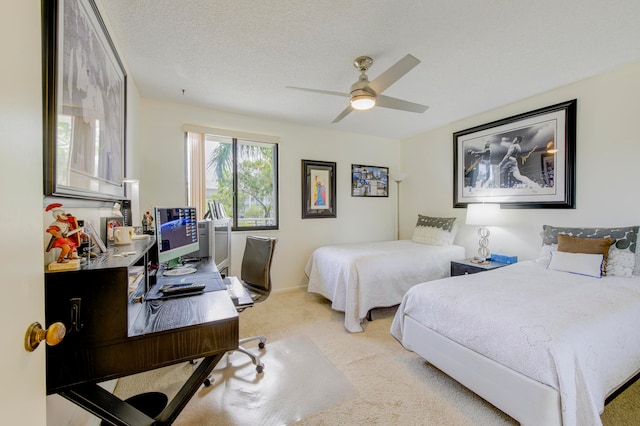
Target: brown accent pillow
(570, 244)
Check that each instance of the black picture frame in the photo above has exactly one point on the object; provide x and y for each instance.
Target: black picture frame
(318, 189)
(369, 181)
(84, 91)
(524, 161)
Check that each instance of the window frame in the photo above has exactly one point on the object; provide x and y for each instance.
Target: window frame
(238, 138)
(276, 189)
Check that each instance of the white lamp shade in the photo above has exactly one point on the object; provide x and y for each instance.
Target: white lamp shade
(400, 176)
(483, 214)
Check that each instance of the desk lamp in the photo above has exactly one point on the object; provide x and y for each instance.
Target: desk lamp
(483, 215)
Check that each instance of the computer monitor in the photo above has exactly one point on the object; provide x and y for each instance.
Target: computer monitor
(222, 253)
(215, 243)
(176, 233)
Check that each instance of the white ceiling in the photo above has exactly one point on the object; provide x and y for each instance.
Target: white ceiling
(238, 55)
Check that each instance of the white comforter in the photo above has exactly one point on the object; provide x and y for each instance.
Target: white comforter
(576, 334)
(359, 277)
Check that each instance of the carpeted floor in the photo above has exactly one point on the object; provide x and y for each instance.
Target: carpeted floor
(388, 385)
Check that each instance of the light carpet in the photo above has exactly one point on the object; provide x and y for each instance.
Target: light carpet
(388, 384)
(300, 382)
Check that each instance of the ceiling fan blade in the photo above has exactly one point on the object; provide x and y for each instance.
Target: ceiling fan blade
(394, 73)
(343, 114)
(389, 102)
(322, 92)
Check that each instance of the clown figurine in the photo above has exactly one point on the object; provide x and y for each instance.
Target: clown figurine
(64, 233)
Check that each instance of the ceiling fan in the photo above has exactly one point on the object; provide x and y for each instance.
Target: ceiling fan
(365, 94)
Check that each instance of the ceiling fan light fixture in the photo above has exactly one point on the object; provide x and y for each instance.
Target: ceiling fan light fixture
(364, 94)
(363, 102)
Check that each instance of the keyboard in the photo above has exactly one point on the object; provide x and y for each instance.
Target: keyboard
(182, 288)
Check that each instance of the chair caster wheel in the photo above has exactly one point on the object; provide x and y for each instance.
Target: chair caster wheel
(261, 345)
(207, 382)
(259, 368)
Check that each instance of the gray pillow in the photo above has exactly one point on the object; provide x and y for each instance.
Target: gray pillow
(444, 223)
(625, 236)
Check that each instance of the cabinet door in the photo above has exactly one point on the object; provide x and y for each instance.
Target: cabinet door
(92, 305)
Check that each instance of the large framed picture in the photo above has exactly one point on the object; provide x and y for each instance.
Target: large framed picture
(524, 161)
(318, 189)
(85, 103)
(369, 181)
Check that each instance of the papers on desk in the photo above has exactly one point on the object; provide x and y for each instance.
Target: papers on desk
(136, 273)
(234, 287)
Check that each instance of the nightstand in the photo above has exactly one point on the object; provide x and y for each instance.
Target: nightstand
(466, 266)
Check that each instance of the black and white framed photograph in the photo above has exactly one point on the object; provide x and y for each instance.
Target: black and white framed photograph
(369, 181)
(85, 104)
(318, 189)
(524, 161)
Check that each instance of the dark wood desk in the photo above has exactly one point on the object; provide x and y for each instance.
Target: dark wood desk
(112, 333)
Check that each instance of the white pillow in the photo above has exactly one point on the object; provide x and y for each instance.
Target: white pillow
(577, 263)
(620, 262)
(434, 236)
(545, 253)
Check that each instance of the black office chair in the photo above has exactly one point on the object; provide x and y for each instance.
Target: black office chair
(255, 277)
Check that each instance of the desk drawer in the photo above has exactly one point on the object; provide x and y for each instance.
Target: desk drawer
(91, 364)
(462, 269)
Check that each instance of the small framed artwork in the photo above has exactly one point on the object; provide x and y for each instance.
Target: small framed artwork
(211, 211)
(95, 237)
(524, 161)
(107, 224)
(369, 181)
(318, 189)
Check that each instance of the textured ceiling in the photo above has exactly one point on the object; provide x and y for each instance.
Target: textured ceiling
(476, 55)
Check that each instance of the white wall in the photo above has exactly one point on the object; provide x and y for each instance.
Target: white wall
(163, 182)
(608, 154)
(607, 149)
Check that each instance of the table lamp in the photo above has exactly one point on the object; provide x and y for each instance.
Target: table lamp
(483, 215)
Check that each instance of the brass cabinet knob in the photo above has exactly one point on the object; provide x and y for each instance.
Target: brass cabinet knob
(35, 334)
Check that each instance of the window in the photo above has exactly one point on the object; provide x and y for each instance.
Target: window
(237, 170)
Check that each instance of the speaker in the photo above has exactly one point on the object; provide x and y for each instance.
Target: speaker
(206, 238)
(126, 213)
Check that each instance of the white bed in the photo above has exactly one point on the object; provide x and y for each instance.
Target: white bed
(360, 277)
(544, 346)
